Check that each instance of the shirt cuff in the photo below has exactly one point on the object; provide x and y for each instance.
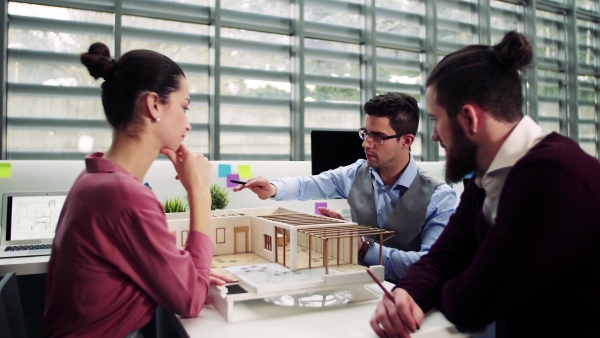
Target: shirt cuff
(279, 187)
(200, 246)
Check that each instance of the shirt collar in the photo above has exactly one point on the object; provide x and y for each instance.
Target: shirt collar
(405, 179)
(96, 163)
(524, 136)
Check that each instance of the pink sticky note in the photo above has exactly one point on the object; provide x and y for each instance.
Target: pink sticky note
(319, 205)
(232, 177)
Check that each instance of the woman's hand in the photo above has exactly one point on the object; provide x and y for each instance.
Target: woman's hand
(219, 279)
(193, 170)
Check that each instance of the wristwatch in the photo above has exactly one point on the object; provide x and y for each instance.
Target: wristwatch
(366, 244)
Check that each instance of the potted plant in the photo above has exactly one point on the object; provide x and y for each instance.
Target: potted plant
(219, 197)
(175, 207)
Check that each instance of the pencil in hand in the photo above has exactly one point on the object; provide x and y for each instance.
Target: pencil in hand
(387, 293)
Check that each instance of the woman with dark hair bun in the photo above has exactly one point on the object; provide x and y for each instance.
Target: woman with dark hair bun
(113, 258)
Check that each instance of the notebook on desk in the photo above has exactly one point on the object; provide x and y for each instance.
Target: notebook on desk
(29, 222)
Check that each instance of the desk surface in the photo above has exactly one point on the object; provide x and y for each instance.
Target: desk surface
(24, 265)
(258, 318)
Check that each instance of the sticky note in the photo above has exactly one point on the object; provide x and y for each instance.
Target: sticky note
(232, 177)
(4, 170)
(320, 205)
(245, 171)
(224, 170)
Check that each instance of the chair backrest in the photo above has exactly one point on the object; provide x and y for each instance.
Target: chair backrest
(12, 321)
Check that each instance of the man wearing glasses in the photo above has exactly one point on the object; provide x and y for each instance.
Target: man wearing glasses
(386, 190)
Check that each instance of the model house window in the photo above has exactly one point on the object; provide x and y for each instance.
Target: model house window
(268, 243)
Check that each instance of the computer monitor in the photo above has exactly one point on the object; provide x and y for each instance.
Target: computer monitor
(334, 148)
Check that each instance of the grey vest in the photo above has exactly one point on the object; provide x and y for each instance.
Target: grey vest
(407, 218)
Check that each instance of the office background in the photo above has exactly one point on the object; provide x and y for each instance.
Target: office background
(264, 73)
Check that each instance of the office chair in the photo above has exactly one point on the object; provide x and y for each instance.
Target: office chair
(12, 321)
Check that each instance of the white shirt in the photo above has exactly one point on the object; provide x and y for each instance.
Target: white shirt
(524, 136)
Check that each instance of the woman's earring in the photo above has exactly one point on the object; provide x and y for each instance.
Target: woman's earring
(157, 119)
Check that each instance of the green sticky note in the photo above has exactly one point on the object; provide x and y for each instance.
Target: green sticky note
(4, 170)
(244, 171)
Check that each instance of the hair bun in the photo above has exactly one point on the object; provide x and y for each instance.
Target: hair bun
(98, 61)
(514, 51)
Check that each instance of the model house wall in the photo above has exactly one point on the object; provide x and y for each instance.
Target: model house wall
(260, 231)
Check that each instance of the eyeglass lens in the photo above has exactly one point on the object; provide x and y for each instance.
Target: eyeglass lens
(373, 137)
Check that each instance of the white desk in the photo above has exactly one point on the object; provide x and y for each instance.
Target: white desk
(258, 318)
(24, 265)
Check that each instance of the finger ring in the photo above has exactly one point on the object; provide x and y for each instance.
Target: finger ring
(181, 159)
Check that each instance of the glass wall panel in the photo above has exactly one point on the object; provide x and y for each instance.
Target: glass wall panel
(550, 36)
(550, 55)
(332, 13)
(388, 17)
(588, 5)
(267, 7)
(256, 146)
(58, 140)
(548, 93)
(44, 76)
(269, 62)
(504, 17)
(332, 92)
(256, 58)
(53, 107)
(56, 107)
(400, 67)
(588, 121)
(587, 85)
(456, 23)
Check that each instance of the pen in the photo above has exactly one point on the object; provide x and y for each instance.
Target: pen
(237, 181)
(387, 293)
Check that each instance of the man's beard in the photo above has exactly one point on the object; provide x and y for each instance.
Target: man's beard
(461, 158)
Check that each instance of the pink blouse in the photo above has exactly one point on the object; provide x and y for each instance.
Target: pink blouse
(114, 260)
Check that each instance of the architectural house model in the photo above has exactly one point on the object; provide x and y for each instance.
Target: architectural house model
(277, 251)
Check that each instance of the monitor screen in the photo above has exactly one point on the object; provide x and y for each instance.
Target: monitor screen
(334, 148)
(32, 217)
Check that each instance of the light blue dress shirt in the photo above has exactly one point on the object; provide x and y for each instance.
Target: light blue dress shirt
(336, 183)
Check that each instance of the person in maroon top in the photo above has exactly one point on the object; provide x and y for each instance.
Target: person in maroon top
(113, 258)
(523, 247)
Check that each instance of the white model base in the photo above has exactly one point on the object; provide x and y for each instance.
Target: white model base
(299, 288)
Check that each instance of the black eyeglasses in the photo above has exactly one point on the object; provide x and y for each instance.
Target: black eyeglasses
(374, 137)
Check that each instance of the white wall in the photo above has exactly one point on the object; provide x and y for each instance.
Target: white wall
(59, 176)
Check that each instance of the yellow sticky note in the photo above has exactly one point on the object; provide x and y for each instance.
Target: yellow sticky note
(245, 171)
(4, 170)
